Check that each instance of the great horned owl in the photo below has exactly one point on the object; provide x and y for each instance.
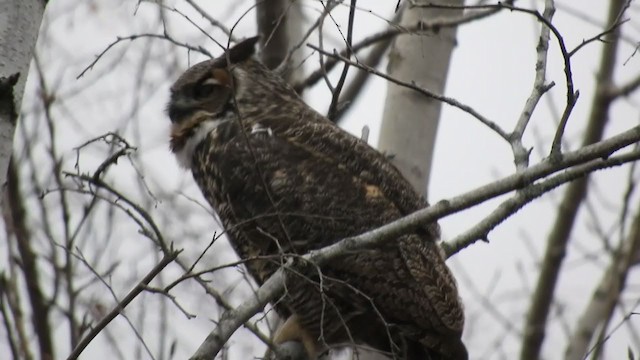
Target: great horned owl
(285, 180)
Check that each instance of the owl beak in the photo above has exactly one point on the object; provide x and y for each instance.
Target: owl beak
(179, 109)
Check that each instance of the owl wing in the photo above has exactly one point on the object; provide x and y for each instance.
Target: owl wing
(374, 171)
(323, 185)
(322, 137)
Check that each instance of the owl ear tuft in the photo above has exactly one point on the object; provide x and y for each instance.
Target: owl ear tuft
(243, 50)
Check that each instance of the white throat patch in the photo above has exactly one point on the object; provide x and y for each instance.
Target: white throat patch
(185, 155)
(257, 128)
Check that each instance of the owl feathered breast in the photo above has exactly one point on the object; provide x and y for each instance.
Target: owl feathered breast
(285, 180)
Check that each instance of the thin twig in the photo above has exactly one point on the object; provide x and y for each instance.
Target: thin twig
(156, 236)
(316, 25)
(173, 299)
(335, 96)
(598, 312)
(234, 318)
(68, 271)
(520, 154)
(455, 103)
(599, 36)
(120, 39)
(211, 20)
(572, 97)
(349, 95)
(166, 260)
(559, 236)
(522, 197)
(29, 263)
(8, 327)
(571, 94)
(626, 89)
(394, 30)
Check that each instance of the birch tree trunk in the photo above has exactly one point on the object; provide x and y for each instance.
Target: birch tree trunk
(19, 25)
(574, 196)
(410, 121)
(280, 24)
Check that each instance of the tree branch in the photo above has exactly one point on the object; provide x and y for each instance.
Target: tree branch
(520, 154)
(522, 197)
(450, 101)
(120, 39)
(232, 319)
(18, 33)
(424, 27)
(559, 237)
(333, 107)
(86, 340)
(28, 258)
(272, 21)
(605, 296)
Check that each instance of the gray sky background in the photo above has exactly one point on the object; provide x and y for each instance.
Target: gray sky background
(492, 71)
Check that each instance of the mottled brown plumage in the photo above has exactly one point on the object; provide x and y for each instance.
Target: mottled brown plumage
(285, 180)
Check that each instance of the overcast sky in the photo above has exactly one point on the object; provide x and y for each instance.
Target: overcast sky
(492, 71)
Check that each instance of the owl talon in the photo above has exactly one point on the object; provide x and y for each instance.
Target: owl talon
(292, 332)
(291, 350)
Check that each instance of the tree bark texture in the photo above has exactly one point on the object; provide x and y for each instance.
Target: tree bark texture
(19, 24)
(410, 121)
(280, 26)
(574, 195)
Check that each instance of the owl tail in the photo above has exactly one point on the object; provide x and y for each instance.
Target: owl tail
(451, 349)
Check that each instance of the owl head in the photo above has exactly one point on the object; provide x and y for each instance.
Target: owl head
(234, 87)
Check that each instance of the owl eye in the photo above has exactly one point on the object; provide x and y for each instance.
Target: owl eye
(205, 88)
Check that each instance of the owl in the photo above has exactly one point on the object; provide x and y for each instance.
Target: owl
(284, 180)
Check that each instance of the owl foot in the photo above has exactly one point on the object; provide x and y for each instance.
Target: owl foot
(292, 331)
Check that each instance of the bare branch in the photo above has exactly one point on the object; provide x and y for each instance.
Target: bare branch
(318, 24)
(348, 97)
(173, 299)
(8, 326)
(211, 20)
(272, 17)
(615, 14)
(333, 107)
(120, 39)
(232, 319)
(605, 295)
(12, 295)
(166, 260)
(625, 89)
(28, 258)
(450, 101)
(599, 36)
(8, 121)
(220, 300)
(155, 235)
(394, 30)
(568, 208)
(520, 154)
(522, 197)
(572, 95)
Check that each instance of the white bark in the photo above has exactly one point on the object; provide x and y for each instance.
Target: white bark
(19, 25)
(280, 24)
(295, 30)
(604, 298)
(410, 121)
